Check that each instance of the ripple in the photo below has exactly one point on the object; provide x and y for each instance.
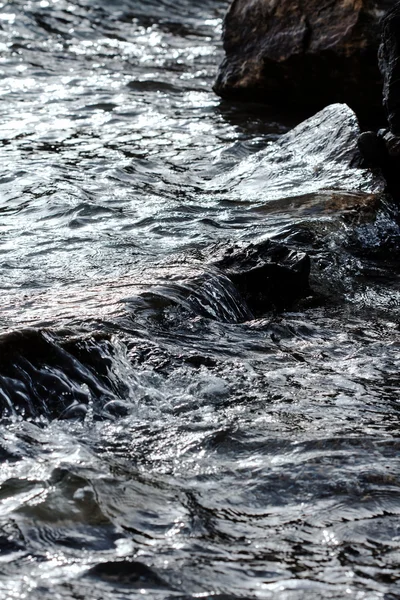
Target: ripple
(158, 437)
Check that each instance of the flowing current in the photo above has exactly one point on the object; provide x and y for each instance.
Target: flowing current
(158, 438)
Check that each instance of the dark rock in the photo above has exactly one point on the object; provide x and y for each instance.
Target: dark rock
(382, 150)
(389, 64)
(269, 276)
(126, 572)
(230, 284)
(303, 53)
(373, 149)
(198, 360)
(391, 168)
(392, 143)
(38, 376)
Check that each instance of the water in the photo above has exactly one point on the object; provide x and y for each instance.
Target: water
(158, 438)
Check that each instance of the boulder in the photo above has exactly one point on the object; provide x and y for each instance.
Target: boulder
(387, 141)
(303, 54)
(382, 149)
(229, 282)
(268, 275)
(42, 374)
(389, 63)
(315, 166)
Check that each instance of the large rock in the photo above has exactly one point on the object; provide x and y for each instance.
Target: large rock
(53, 376)
(318, 162)
(231, 282)
(389, 63)
(382, 149)
(300, 53)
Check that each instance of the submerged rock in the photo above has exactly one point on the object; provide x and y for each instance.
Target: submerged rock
(127, 572)
(267, 275)
(383, 148)
(43, 374)
(303, 53)
(319, 155)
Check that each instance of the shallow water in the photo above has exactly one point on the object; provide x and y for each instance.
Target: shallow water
(158, 438)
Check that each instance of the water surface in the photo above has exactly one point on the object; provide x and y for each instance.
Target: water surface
(157, 438)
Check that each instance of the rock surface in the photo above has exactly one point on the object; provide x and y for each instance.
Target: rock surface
(382, 150)
(43, 374)
(303, 53)
(229, 282)
(389, 63)
(321, 154)
(269, 276)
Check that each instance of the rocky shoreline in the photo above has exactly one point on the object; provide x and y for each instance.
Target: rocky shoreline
(296, 55)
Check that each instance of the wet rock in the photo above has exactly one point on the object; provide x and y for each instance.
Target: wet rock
(198, 360)
(126, 572)
(312, 177)
(308, 54)
(38, 376)
(319, 155)
(228, 283)
(389, 64)
(392, 143)
(382, 150)
(373, 149)
(269, 276)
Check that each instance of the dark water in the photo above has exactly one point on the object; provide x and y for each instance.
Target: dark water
(157, 438)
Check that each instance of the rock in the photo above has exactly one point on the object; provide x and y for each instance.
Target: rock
(229, 283)
(373, 149)
(40, 374)
(317, 162)
(382, 150)
(303, 54)
(389, 64)
(269, 276)
(391, 167)
(392, 143)
(128, 572)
